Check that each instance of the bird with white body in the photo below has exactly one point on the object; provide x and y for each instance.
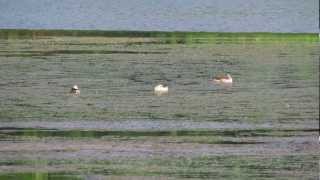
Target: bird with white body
(75, 90)
(161, 89)
(223, 79)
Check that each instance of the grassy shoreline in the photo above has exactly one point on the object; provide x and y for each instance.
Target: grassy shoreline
(174, 37)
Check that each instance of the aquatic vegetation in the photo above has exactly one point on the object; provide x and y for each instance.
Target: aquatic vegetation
(166, 37)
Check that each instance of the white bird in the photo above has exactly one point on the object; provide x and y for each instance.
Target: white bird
(75, 90)
(161, 89)
(223, 79)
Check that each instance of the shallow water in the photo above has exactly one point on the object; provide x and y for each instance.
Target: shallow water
(263, 126)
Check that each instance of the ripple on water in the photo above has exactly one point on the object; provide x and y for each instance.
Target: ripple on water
(261, 126)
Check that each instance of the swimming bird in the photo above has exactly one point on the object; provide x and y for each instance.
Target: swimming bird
(161, 89)
(75, 90)
(223, 79)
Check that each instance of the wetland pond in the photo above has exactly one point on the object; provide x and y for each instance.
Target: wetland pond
(264, 126)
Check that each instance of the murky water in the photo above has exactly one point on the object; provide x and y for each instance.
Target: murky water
(263, 126)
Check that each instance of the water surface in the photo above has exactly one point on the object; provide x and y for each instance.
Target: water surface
(165, 15)
(263, 126)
